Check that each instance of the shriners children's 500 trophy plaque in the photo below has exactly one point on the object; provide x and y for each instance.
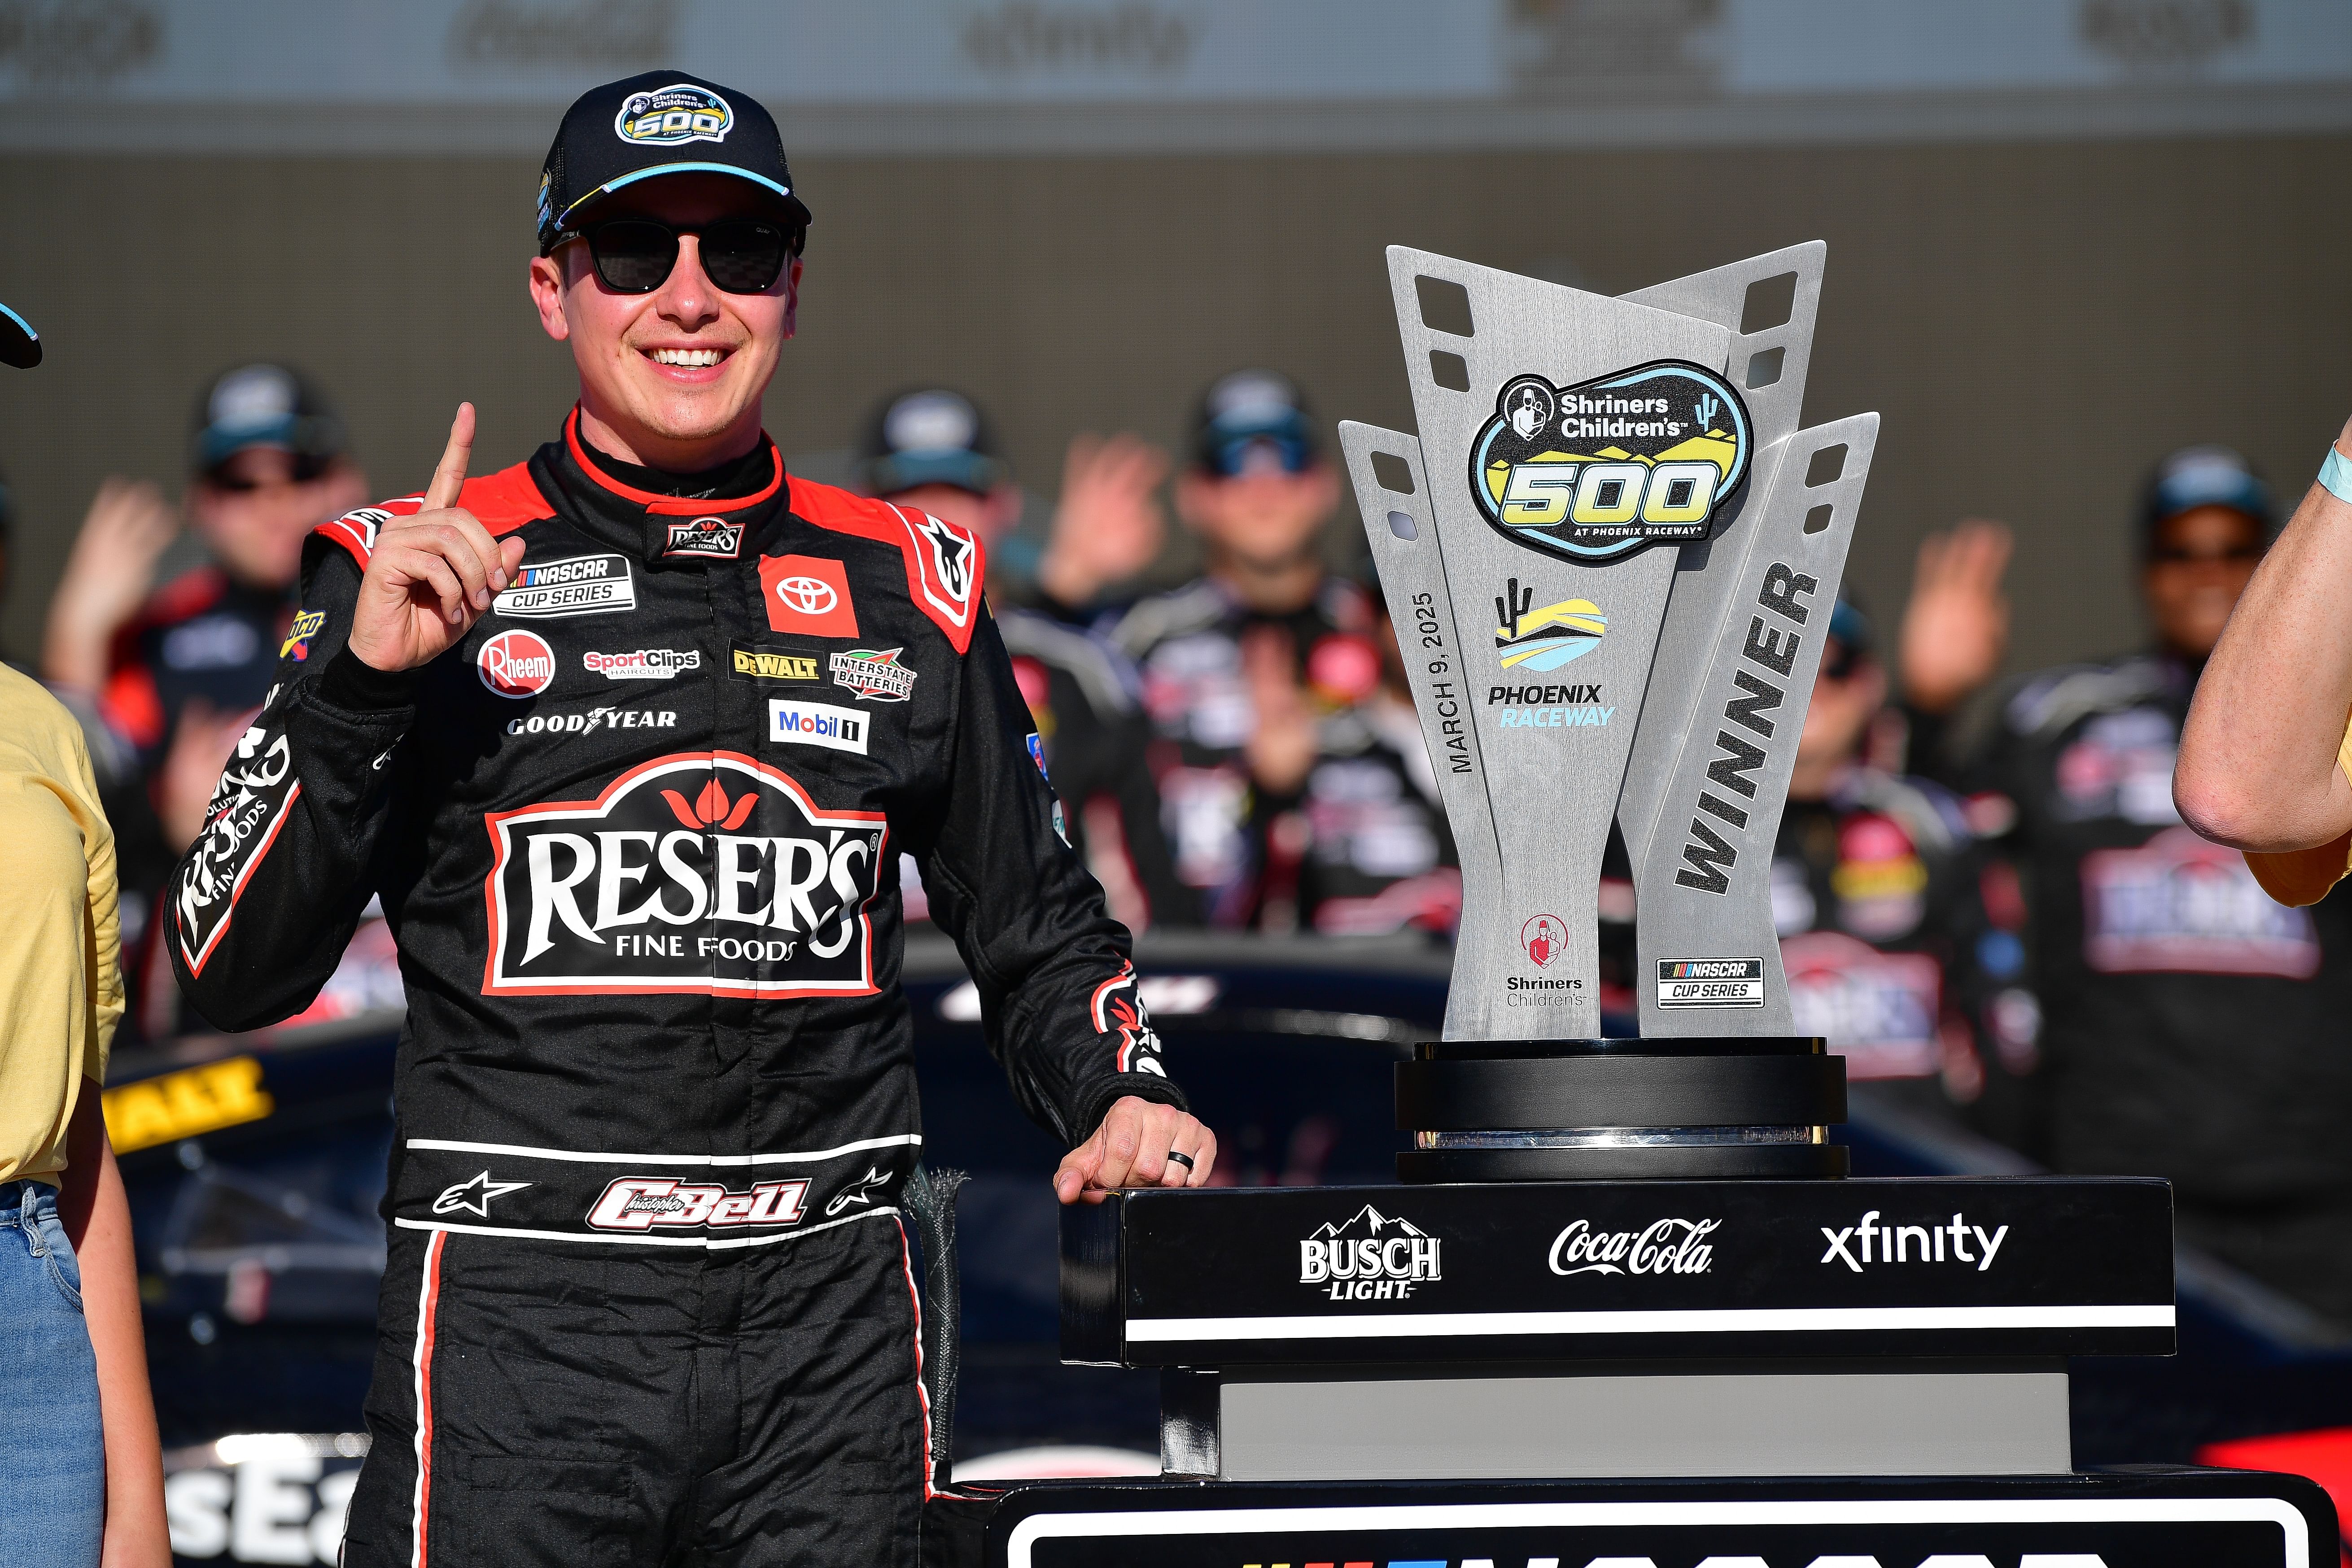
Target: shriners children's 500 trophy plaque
(1610, 556)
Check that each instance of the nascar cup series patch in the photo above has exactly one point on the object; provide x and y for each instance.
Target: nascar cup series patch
(674, 115)
(1597, 472)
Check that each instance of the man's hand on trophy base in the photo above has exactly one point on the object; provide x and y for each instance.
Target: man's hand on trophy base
(433, 574)
(1139, 1144)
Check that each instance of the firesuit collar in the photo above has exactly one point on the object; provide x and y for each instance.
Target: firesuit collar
(736, 480)
(672, 529)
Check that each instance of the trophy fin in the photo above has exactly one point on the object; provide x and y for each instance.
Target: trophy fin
(1770, 366)
(1402, 532)
(1709, 954)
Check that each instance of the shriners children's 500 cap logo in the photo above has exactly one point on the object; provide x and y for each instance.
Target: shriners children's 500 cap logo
(1597, 472)
(674, 115)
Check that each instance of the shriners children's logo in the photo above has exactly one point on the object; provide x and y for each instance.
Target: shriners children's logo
(1599, 470)
(674, 115)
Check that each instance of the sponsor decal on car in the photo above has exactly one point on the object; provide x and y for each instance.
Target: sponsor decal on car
(645, 664)
(748, 662)
(516, 664)
(1672, 1246)
(576, 586)
(807, 594)
(1370, 1257)
(307, 625)
(642, 1202)
(874, 674)
(793, 724)
(710, 873)
(707, 536)
(1597, 472)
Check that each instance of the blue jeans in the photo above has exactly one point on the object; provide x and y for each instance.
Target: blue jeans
(53, 1511)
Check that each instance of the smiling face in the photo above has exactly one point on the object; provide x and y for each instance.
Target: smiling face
(671, 379)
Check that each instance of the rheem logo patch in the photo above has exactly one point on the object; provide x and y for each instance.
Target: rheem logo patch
(516, 664)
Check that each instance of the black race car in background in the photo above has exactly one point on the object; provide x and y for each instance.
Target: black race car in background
(255, 1164)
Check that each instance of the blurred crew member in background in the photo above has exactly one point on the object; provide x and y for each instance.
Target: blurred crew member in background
(1879, 895)
(178, 670)
(930, 449)
(671, 706)
(1252, 675)
(2193, 1027)
(77, 1429)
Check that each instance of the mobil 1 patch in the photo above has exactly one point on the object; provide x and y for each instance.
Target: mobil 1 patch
(1710, 982)
(816, 724)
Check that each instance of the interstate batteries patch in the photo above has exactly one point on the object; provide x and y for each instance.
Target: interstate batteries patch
(1597, 472)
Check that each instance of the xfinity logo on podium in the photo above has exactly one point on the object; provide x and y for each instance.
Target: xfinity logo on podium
(1370, 1257)
(1664, 1247)
(1854, 1245)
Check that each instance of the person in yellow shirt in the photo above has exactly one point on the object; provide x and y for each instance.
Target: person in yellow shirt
(78, 1439)
(2266, 755)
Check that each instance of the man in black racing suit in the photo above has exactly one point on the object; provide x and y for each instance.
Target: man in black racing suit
(581, 726)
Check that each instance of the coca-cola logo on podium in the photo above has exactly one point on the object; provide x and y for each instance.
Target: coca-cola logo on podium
(1662, 1246)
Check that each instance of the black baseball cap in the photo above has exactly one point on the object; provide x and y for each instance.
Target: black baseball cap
(265, 406)
(1249, 418)
(19, 345)
(929, 436)
(660, 122)
(2198, 477)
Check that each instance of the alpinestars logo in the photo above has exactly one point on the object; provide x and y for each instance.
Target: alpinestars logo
(642, 1202)
(474, 1197)
(707, 536)
(859, 1192)
(951, 556)
(1372, 1257)
(709, 873)
(248, 807)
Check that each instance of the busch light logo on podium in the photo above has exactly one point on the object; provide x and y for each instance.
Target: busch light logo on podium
(1597, 472)
(1372, 1257)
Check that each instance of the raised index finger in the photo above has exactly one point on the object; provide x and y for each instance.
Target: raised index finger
(449, 478)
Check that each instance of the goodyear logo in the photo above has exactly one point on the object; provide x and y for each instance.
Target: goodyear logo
(1597, 472)
(674, 115)
(185, 1103)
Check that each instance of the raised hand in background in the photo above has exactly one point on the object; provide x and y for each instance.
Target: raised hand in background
(1956, 626)
(108, 575)
(1110, 525)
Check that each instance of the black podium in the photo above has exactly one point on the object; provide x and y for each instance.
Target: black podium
(1614, 1375)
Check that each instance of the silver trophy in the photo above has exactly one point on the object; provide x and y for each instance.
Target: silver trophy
(1611, 558)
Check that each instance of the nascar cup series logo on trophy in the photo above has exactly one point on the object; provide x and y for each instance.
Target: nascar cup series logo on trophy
(1612, 556)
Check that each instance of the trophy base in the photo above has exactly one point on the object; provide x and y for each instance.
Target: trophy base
(1618, 1110)
(1625, 1162)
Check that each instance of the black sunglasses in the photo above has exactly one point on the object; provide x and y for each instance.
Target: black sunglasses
(741, 256)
